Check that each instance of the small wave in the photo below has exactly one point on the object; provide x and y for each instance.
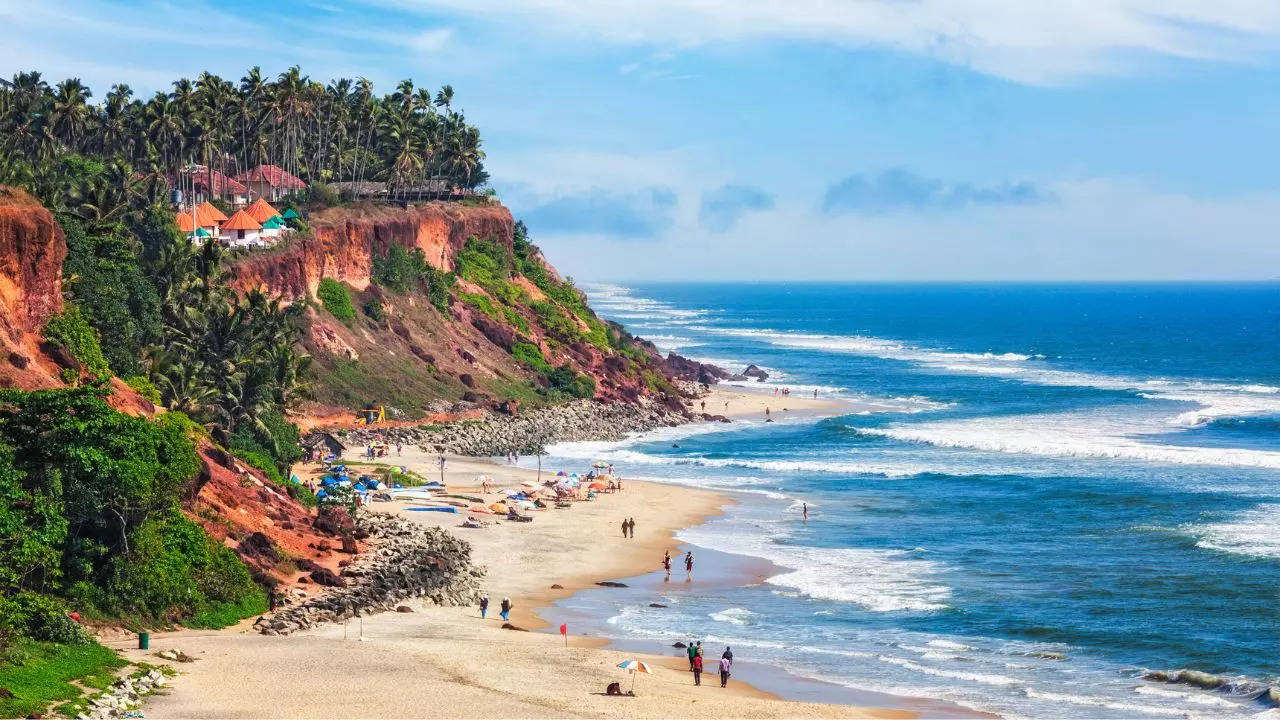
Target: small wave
(985, 679)
(735, 616)
(1191, 697)
(1254, 532)
(1234, 686)
(1095, 701)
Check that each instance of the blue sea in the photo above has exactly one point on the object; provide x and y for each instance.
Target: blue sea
(1049, 492)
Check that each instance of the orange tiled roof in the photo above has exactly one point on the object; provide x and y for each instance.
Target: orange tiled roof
(273, 176)
(261, 210)
(207, 216)
(241, 220)
(208, 210)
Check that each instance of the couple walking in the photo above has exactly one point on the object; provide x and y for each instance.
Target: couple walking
(696, 664)
(506, 607)
(666, 561)
(629, 526)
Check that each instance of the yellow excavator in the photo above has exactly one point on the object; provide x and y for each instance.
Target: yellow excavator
(372, 416)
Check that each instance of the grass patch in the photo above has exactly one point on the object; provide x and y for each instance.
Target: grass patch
(226, 614)
(43, 674)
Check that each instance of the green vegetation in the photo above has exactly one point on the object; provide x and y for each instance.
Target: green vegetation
(103, 277)
(401, 271)
(144, 387)
(560, 382)
(39, 674)
(92, 502)
(336, 300)
(72, 331)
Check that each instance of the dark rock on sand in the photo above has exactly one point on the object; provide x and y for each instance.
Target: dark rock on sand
(678, 644)
(509, 626)
(557, 586)
(325, 576)
(403, 609)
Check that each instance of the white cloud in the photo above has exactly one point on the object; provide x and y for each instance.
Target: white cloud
(1035, 41)
(1100, 229)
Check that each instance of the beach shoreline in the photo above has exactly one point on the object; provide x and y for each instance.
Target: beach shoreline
(439, 661)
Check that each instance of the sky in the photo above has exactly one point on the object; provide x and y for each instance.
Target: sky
(859, 140)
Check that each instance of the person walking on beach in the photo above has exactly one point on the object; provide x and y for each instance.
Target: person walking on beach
(726, 662)
(631, 527)
(624, 527)
(815, 393)
(399, 449)
(692, 649)
(506, 608)
(697, 669)
(688, 563)
(766, 411)
(484, 605)
(666, 561)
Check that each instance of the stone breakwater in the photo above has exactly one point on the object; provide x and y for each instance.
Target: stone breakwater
(409, 561)
(527, 433)
(123, 697)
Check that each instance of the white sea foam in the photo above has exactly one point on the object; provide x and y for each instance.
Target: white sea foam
(984, 678)
(1078, 435)
(875, 580)
(1104, 702)
(1218, 399)
(1254, 532)
(1196, 698)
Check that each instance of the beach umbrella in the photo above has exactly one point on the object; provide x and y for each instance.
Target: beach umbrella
(633, 667)
(499, 508)
(562, 474)
(599, 464)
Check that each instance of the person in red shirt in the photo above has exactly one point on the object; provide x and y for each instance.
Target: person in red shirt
(697, 669)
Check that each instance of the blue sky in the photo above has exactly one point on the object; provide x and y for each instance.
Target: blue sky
(814, 139)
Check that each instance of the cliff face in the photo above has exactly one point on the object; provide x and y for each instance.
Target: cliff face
(32, 249)
(408, 355)
(343, 243)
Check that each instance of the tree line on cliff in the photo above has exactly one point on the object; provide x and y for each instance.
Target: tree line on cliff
(320, 132)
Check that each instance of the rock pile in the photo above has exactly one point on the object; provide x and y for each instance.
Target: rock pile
(526, 433)
(410, 561)
(124, 696)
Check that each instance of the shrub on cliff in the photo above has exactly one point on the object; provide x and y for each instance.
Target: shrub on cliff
(105, 280)
(336, 299)
(72, 331)
(401, 271)
(89, 497)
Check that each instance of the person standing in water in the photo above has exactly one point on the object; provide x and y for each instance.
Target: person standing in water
(806, 511)
(666, 561)
(688, 563)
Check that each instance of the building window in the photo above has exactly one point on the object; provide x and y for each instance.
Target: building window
(239, 234)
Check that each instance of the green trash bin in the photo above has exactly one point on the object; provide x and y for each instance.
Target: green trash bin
(144, 641)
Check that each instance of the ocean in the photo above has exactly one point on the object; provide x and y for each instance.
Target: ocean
(1063, 489)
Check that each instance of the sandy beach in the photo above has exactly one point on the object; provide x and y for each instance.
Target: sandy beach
(448, 662)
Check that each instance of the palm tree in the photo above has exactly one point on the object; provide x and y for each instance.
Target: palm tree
(70, 112)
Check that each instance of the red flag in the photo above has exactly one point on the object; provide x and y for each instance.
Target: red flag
(564, 629)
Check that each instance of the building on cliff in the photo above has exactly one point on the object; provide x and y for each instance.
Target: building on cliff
(242, 231)
(270, 182)
(201, 184)
(207, 222)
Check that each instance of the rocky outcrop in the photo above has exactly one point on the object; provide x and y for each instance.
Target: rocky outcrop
(32, 249)
(124, 696)
(499, 434)
(693, 371)
(344, 241)
(410, 560)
